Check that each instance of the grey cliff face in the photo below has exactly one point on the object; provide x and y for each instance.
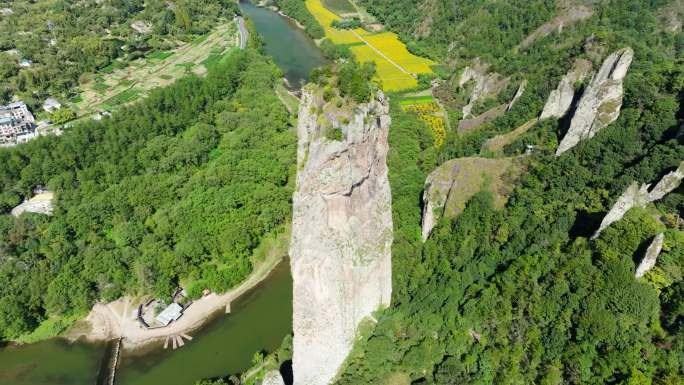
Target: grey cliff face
(341, 235)
(601, 101)
(560, 99)
(640, 196)
(486, 84)
(651, 256)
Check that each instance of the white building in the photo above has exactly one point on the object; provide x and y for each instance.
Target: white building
(51, 105)
(170, 314)
(16, 124)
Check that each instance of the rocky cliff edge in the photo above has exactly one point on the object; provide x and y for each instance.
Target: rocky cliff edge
(341, 231)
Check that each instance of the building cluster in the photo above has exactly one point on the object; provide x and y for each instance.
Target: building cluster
(17, 124)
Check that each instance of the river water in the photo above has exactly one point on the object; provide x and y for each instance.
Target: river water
(260, 320)
(289, 46)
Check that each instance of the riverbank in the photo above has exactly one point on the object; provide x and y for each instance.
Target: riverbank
(118, 319)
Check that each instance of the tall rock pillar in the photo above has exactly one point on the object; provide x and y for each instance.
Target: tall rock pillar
(341, 232)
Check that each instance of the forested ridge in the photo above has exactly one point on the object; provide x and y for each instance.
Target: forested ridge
(180, 187)
(522, 295)
(66, 39)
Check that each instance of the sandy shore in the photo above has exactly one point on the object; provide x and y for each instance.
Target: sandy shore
(118, 319)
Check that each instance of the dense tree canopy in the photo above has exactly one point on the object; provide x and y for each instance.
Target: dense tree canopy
(522, 295)
(180, 187)
(65, 39)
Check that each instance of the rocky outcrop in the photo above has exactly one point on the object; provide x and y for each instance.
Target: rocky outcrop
(601, 101)
(640, 196)
(341, 233)
(518, 94)
(449, 187)
(651, 256)
(560, 99)
(41, 204)
(486, 84)
(465, 125)
(273, 377)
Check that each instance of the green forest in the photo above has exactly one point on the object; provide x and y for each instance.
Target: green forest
(53, 37)
(522, 295)
(178, 188)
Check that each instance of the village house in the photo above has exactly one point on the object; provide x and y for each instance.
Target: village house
(172, 313)
(16, 124)
(51, 105)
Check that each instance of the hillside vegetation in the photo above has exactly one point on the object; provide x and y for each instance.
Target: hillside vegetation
(178, 188)
(522, 295)
(66, 39)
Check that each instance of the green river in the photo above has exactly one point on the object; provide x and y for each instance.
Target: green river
(289, 46)
(259, 321)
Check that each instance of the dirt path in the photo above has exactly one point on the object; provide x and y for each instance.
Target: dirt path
(119, 318)
(382, 54)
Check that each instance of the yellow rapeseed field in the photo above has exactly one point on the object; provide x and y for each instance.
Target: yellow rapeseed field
(391, 77)
(396, 66)
(427, 113)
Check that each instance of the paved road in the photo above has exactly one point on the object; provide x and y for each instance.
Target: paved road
(244, 35)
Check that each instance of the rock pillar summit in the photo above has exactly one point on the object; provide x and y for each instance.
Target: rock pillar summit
(341, 231)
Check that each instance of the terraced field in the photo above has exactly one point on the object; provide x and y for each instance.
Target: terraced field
(396, 67)
(113, 86)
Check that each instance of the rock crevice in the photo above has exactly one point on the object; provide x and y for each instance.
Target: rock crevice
(341, 234)
(560, 99)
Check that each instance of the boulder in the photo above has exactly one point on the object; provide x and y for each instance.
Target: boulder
(640, 196)
(560, 99)
(651, 256)
(449, 187)
(601, 101)
(341, 233)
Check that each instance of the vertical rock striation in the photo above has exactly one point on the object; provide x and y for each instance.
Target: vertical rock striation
(640, 196)
(341, 234)
(601, 101)
(651, 256)
(560, 99)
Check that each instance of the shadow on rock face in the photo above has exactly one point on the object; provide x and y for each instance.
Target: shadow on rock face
(286, 372)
